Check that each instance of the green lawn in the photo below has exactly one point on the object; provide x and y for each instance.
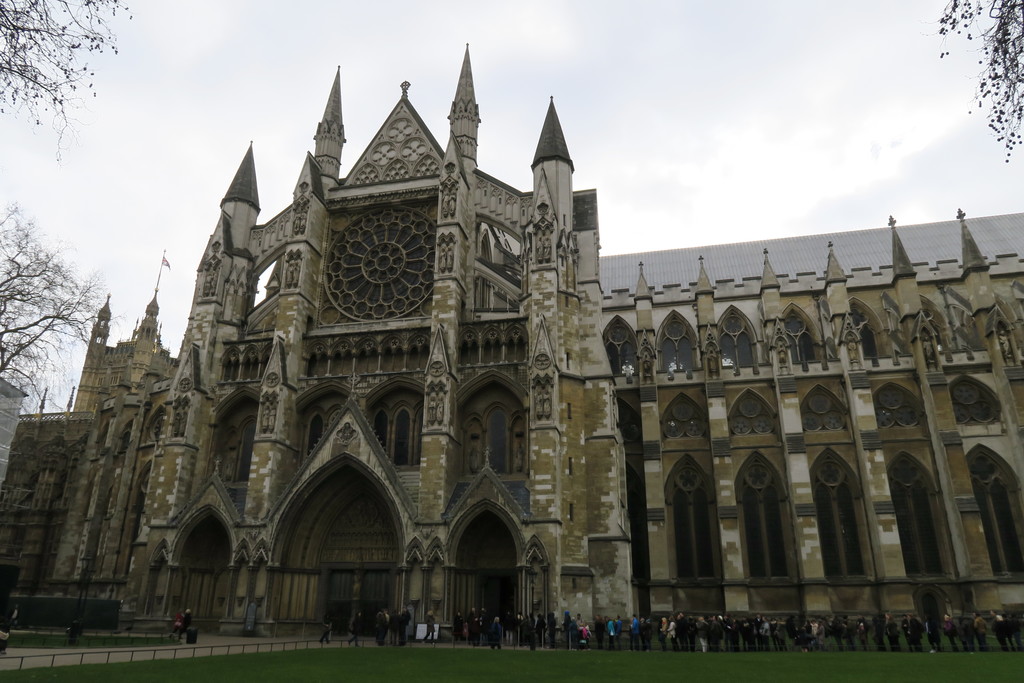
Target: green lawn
(446, 665)
(23, 639)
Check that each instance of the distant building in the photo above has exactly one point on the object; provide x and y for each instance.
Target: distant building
(447, 399)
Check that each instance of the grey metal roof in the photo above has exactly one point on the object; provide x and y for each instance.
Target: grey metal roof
(926, 243)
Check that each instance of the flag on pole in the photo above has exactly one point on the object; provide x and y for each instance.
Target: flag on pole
(165, 262)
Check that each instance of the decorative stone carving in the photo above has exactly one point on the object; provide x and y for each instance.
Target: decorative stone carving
(180, 423)
(268, 412)
(1005, 348)
(542, 397)
(474, 459)
(272, 379)
(446, 253)
(292, 269)
(449, 192)
(437, 368)
(931, 360)
(346, 434)
(300, 210)
(185, 384)
(436, 393)
(211, 275)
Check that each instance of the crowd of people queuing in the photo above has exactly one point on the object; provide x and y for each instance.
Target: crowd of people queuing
(724, 633)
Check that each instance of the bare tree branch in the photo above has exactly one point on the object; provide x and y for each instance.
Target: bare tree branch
(998, 26)
(43, 47)
(46, 308)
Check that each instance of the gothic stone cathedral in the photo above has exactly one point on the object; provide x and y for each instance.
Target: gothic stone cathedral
(447, 400)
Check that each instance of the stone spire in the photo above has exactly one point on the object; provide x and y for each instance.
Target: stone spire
(703, 281)
(465, 113)
(243, 186)
(901, 265)
(971, 258)
(768, 278)
(642, 288)
(833, 271)
(330, 133)
(552, 142)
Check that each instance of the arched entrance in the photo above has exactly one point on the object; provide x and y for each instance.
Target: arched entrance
(204, 579)
(486, 575)
(341, 554)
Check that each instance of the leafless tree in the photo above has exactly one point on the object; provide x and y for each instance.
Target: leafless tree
(998, 26)
(46, 307)
(43, 45)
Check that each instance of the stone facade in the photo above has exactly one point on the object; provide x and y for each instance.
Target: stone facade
(444, 398)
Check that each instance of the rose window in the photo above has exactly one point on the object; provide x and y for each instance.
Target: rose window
(821, 413)
(381, 266)
(751, 417)
(893, 409)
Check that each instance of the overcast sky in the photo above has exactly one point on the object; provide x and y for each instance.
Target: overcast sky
(697, 122)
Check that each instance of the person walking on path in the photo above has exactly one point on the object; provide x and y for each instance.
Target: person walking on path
(5, 635)
(325, 637)
(353, 629)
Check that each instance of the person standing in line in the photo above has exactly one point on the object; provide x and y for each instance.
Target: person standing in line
(598, 631)
(325, 637)
(980, 631)
(612, 633)
(5, 635)
(539, 627)
(496, 633)
(457, 625)
(552, 630)
(353, 629)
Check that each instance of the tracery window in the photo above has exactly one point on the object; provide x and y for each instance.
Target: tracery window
(381, 266)
(895, 408)
(620, 344)
(157, 426)
(396, 434)
(996, 492)
(973, 404)
(314, 432)
(692, 518)
(751, 416)
(822, 413)
(762, 522)
(734, 341)
(245, 447)
(913, 501)
(868, 344)
(683, 419)
(837, 520)
(676, 347)
(798, 338)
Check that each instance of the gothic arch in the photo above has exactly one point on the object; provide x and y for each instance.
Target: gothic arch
(751, 414)
(762, 497)
(193, 519)
(737, 339)
(344, 478)
(691, 512)
(683, 417)
(838, 505)
(677, 344)
(414, 553)
(863, 321)
(895, 406)
(997, 492)
(161, 554)
(487, 378)
(822, 410)
(800, 334)
(973, 401)
(620, 343)
(435, 552)
(535, 552)
(466, 519)
(914, 498)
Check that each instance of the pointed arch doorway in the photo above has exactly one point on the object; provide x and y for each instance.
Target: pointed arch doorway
(486, 574)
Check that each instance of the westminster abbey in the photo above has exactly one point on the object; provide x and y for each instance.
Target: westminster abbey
(445, 398)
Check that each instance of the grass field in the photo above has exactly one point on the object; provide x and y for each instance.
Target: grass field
(447, 665)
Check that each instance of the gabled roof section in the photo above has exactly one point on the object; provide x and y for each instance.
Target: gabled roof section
(403, 148)
(552, 142)
(243, 186)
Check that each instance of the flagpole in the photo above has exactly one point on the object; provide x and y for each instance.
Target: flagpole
(163, 264)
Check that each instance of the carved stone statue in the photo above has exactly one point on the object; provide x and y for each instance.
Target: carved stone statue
(853, 351)
(474, 459)
(930, 358)
(711, 362)
(1003, 338)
